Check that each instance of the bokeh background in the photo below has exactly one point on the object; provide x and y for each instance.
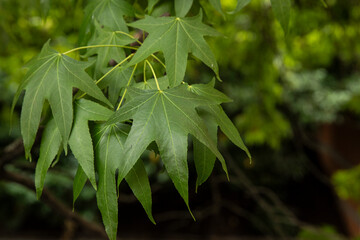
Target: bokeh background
(296, 105)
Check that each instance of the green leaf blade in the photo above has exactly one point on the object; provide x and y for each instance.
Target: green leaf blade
(139, 183)
(182, 7)
(49, 148)
(78, 184)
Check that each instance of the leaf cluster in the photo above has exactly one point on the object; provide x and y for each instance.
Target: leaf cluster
(109, 106)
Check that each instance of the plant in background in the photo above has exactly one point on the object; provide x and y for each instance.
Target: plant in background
(125, 95)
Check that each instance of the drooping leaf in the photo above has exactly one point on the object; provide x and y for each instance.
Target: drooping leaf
(78, 184)
(182, 7)
(281, 10)
(139, 183)
(109, 13)
(108, 141)
(50, 144)
(166, 117)
(80, 139)
(52, 76)
(176, 37)
(106, 54)
(204, 159)
(240, 5)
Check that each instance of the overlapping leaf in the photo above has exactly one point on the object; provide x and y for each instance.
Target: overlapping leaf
(115, 81)
(80, 139)
(51, 77)
(175, 37)
(109, 13)
(182, 7)
(109, 152)
(166, 117)
(105, 54)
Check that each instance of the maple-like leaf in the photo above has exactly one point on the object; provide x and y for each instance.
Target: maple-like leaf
(109, 152)
(166, 117)
(176, 37)
(80, 139)
(182, 7)
(105, 54)
(51, 76)
(109, 13)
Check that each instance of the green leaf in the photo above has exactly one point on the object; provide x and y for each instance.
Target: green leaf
(227, 127)
(115, 81)
(80, 139)
(108, 141)
(139, 183)
(182, 7)
(50, 144)
(204, 159)
(78, 184)
(151, 4)
(166, 117)
(151, 84)
(281, 10)
(52, 76)
(176, 37)
(105, 54)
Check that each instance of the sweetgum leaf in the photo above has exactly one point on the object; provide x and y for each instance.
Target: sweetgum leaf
(52, 76)
(109, 13)
(105, 54)
(151, 84)
(166, 117)
(80, 139)
(176, 37)
(182, 7)
(281, 10)
(108, 141)
(139, 183)
(49, 147)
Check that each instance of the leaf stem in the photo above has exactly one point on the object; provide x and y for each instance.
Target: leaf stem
(157, 59)
(98, 46)
(128, 84)
(153, 72)
(130, 36)
(144, 72)
(116, 66)
(140, 43)
(111, 70)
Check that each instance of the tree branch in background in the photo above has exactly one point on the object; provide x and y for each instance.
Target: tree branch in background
(54, 203)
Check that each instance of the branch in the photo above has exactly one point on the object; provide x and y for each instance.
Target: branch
(54, 203)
